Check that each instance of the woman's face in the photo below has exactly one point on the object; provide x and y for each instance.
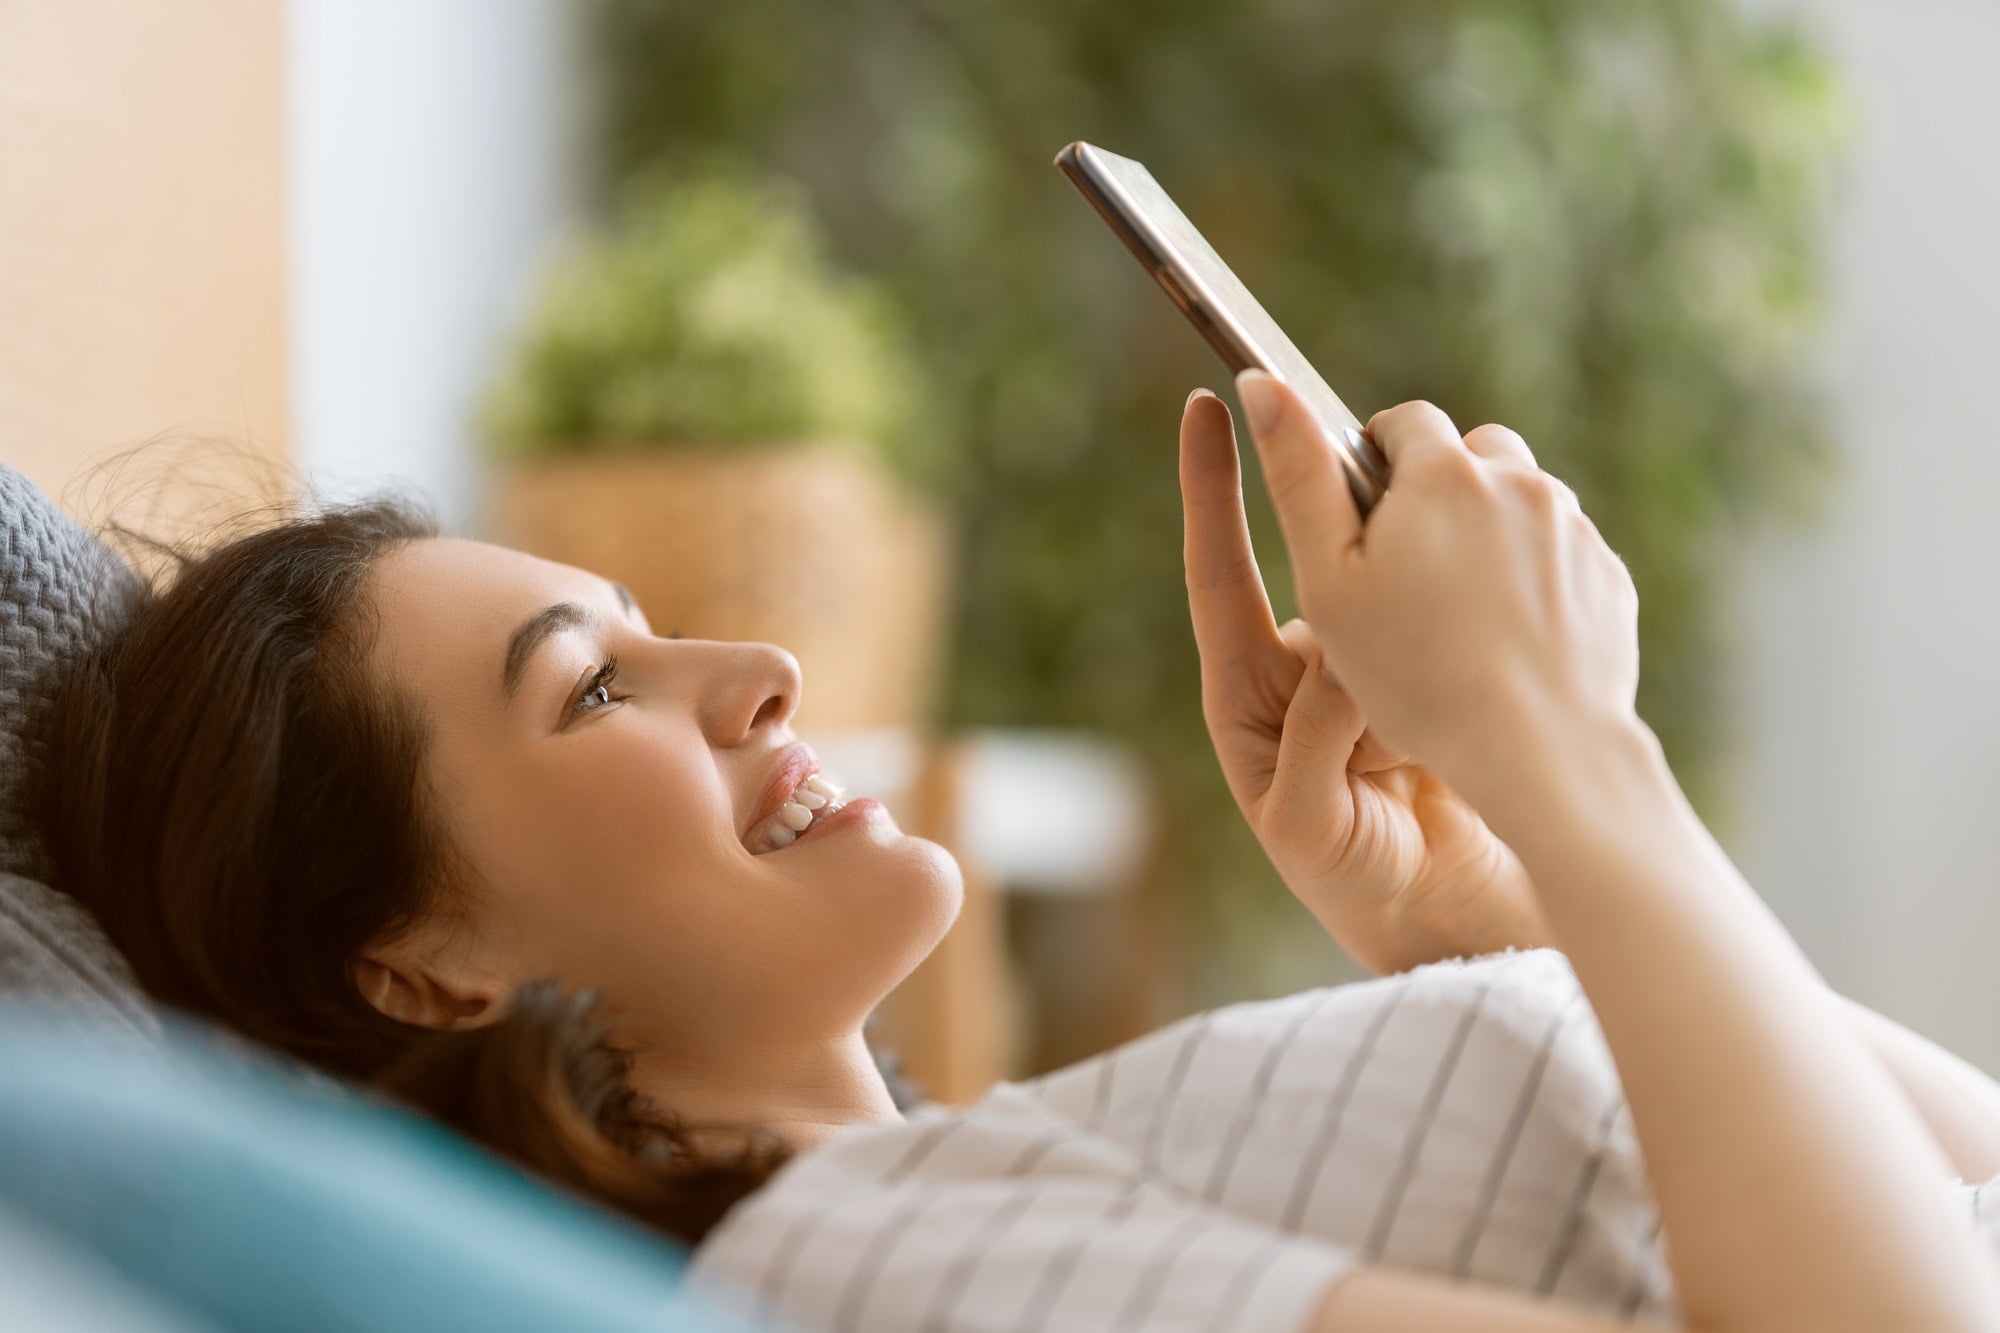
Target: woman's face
(607, 823)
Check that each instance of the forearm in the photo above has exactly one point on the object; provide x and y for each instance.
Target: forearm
(1767, 1128)
(1958, 1104)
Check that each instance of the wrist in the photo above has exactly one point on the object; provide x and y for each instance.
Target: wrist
(1464, 936)
(1570, 773)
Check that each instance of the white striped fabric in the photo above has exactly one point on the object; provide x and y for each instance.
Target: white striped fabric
(1464, 1119)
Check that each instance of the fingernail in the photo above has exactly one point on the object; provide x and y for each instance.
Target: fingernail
(1259, 393)
(1198, 393)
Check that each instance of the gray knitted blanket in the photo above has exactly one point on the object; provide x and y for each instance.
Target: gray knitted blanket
(61, 591)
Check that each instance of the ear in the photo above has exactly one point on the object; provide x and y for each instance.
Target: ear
(415, 990)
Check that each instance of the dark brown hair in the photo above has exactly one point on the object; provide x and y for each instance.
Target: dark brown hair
(245, 812)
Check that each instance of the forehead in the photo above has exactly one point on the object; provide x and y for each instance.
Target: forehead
(444, 601)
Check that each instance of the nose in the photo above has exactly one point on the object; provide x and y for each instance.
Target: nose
(755, 686)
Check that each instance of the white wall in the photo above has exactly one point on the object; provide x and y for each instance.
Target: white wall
(432, 158)
(1871, 650)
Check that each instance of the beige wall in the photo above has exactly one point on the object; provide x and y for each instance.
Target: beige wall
(141, 228)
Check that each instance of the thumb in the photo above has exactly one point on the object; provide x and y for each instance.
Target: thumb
(1323, 724)
(1371, 754)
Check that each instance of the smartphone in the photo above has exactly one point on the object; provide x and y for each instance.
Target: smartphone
(1220, 306)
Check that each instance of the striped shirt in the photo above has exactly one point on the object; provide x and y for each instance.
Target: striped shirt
(1463, 1119)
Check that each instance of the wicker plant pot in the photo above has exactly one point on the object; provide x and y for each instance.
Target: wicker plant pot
(812, 547)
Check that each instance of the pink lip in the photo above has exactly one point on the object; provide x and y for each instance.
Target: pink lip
(853, 812)
(794, 764)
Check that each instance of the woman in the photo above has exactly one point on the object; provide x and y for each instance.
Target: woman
(355, 789)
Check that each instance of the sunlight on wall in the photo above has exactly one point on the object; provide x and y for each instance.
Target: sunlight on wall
(141, 250)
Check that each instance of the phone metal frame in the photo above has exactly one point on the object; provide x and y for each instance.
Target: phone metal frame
(1155, 230)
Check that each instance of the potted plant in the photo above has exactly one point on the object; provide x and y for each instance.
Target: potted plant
(705, 409)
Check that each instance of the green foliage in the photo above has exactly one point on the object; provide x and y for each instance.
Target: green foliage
(709, 315)
(1596, 220)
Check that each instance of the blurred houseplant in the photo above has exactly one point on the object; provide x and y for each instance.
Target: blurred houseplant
(1598, 223)
(703, 407)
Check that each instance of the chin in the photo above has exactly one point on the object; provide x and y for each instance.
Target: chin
(943, 879)
(929, 895)
(891, 906)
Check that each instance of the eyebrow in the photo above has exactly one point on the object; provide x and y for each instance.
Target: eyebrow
(528, 636)
(530, 633)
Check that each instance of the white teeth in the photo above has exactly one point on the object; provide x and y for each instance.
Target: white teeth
(814, 799)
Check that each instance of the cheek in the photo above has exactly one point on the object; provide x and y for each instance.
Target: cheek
(594, 827)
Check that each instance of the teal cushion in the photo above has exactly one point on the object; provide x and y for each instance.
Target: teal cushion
(248, 1198)
(47, 1286)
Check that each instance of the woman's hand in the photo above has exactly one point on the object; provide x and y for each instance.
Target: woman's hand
(1393, 864)
(1482, 623)
(1479, 617)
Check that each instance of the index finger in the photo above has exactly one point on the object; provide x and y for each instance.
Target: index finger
(1316, 510)
(1226, 597)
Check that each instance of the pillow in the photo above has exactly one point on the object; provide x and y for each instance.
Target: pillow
(54, 956)
(61, 592)
(47, 1285)
(243, 1198)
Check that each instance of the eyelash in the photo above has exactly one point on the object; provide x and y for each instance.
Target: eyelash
(599, 680)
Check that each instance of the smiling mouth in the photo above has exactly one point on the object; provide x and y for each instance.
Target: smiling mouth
(810, 803)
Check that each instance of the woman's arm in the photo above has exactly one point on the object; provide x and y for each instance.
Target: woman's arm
(1487, 630)
(1959, 1104)
(1797, 1188)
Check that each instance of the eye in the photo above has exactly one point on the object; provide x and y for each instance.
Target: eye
(596, 692)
